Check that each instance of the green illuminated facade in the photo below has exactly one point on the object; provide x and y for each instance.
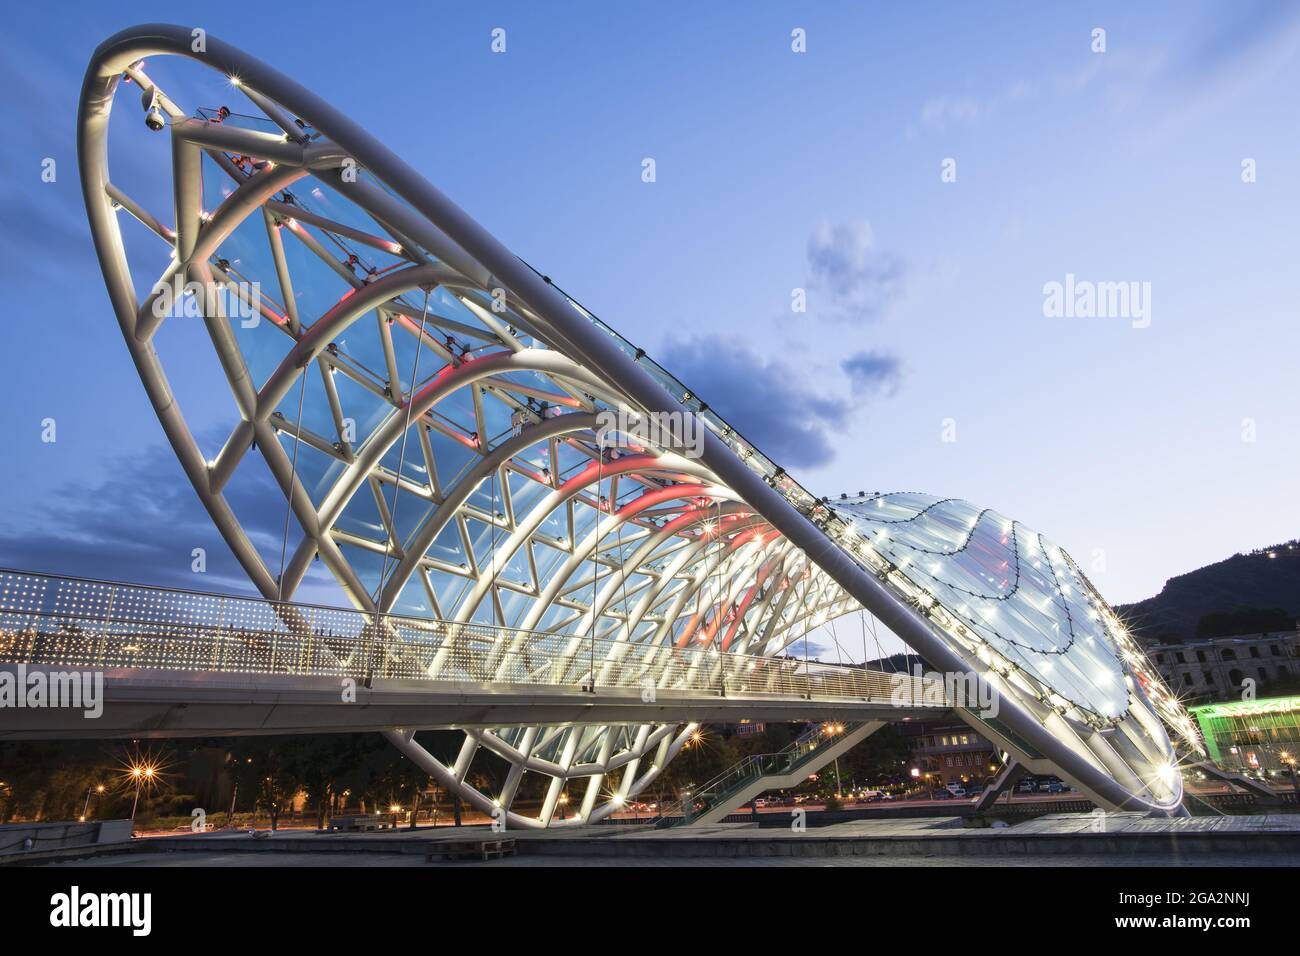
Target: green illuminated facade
(1255, 735)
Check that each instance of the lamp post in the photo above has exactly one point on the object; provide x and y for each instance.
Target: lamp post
(85, 810)
(141, 774)
(1290, 760)
(831, 730)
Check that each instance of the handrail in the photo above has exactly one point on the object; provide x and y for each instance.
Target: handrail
(84, 623)
(745, 770)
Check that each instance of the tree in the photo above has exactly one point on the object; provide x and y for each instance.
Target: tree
(319, 763)
(704, 756)
(1244, 620)
(268, 768)
(884, 757)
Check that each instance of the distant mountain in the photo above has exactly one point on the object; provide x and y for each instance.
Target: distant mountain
(1263, 587)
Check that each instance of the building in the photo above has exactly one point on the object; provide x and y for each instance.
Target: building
(1216, 668)
(1256, 736)
(951, 752)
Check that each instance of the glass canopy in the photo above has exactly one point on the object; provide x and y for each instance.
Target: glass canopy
(1008, 585)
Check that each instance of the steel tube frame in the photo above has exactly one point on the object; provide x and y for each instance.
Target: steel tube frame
(590, 353)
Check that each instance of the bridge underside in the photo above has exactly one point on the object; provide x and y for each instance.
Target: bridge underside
(158, 705)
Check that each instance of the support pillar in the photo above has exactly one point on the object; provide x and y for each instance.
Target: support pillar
(1010, 774)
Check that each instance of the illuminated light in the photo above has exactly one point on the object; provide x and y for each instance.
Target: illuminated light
(236, 81)
(1034, 637)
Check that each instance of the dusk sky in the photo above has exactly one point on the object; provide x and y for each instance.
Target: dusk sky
(1146, 446)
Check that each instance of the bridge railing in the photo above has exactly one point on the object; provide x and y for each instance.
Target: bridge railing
(85, 624)
(745, 771)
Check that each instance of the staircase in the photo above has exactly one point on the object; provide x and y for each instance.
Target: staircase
(758, 773)
(1262, 792)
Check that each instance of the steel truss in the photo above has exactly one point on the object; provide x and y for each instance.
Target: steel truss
(455, 464)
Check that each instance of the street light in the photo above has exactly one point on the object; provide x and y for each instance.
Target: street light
(85, 810)
(143, 774)
(1290, 760)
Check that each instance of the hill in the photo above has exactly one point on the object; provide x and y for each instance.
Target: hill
(1259, 585)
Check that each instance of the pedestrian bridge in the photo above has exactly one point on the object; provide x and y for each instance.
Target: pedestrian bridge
(185, 664)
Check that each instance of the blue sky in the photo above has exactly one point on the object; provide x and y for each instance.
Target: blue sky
(775, 171)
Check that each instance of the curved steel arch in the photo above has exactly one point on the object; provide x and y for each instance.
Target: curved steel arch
(509, 346)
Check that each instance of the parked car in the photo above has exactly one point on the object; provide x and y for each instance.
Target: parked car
(957, 790)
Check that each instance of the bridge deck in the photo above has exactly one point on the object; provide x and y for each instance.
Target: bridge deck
(167, 704)
(187, 664)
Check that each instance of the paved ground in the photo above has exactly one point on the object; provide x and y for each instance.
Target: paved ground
(334, 860)
(1117, 839)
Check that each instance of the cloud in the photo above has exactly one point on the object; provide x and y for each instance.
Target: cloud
(946, 112)
(942, 112)
(873, 373)
(858, 279)
(1242, 40)
(806, 647)
(45, 228)
(141, 523)
(767, 401)
(45, 222)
